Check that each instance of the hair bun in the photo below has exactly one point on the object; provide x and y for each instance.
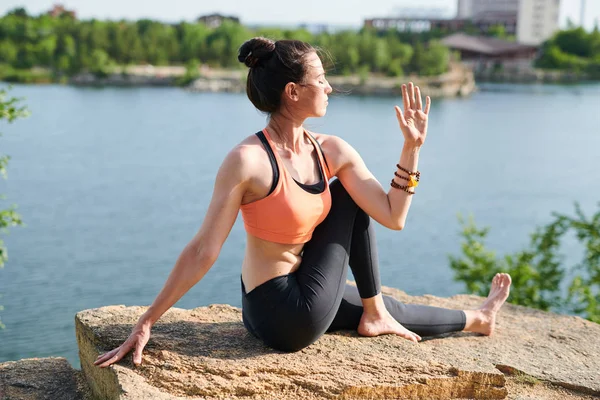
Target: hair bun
(255, 50)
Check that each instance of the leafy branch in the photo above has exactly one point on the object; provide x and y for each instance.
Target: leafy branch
(538, 271)
(10, 110)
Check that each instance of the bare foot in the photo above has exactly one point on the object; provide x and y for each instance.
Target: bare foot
(485, 321)
(375, 325)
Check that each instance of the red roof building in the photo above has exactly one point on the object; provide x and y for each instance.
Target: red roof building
(58, 10)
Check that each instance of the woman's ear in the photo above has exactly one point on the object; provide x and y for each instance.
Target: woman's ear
(291, 91)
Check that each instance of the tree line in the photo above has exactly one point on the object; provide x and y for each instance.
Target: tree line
(573, 49)
(67, 46)
(64, 46)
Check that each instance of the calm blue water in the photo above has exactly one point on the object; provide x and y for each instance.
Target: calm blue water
(112, 183)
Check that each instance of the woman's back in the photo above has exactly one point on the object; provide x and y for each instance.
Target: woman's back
(279, 210)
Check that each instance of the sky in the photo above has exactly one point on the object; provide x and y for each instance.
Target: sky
(350, 13)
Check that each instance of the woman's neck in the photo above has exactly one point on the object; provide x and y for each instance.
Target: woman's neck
(287, 133)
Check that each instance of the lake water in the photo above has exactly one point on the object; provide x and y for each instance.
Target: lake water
(112, 183)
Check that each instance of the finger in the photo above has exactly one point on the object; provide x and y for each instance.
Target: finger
(427, 104)
(400, 116)
(411, 95)
(115, 358)
(106, 356)
(418, 98)
(405, 98)
(137, 353)
(108, 352)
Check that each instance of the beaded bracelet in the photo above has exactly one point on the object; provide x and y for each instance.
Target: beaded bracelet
(404, 188)
(406, 178)
(413, 181)
(415, 173)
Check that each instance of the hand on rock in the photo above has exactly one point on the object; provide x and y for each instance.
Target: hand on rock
(137, 340)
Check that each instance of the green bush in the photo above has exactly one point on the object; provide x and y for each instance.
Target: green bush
(574, 50)
(538, 271)
(9, 111)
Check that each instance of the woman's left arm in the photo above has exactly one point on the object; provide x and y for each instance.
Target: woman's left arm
(389, 209)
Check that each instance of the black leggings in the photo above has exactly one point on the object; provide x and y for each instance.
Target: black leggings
(292, 311)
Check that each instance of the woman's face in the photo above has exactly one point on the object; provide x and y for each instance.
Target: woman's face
(314, 90)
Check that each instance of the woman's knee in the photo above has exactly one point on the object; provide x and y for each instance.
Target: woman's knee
(339, 194)
(341, 198)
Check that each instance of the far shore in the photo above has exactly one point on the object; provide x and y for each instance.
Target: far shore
(459, 81)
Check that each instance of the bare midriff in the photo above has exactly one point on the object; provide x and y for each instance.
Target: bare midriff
(264, 260)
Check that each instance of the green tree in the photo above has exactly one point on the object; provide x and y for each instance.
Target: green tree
(435, 60)
(497, 31)
(574, 41)
(538, 271)
(100, 62)
(8, 52)
(192, 72)
(193, 41)
(417, 61)
(9, 111)
(44, 50)
(574, 50)
(19, 12)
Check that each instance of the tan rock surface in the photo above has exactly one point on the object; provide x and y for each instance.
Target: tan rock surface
(41, 379)
(207, 353)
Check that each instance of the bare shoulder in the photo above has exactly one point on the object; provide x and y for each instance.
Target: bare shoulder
(337, 151)
(330, 142)
(246, 158)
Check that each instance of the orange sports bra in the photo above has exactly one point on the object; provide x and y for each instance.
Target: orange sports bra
(291, 211)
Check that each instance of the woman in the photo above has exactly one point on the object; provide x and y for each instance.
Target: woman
(302, 231)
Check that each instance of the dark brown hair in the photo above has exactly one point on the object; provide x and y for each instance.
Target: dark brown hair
(273, 64)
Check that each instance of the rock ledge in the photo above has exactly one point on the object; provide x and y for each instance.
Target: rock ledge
(207, 353)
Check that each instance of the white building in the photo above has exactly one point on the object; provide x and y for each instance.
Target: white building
(537, 20)
(474, 8)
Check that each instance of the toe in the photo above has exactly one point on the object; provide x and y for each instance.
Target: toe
(495, 280)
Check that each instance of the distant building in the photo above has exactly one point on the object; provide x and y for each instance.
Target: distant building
(486, 19)
(534, 20)
(449, 25)
(464, 9)
(471, 9)
(215, 20)
(531, 21)
(58, 10)
(538, 20)
(484, 52)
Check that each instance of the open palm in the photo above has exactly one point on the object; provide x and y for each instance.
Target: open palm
(413, 121)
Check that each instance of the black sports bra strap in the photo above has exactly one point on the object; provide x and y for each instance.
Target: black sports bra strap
(321, 150)
(272, 159)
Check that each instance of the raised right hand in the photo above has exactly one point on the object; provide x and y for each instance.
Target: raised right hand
(137, 340)
(413, 121)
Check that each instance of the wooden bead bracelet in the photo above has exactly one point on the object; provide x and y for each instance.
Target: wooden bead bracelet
(417, 174)
(413, 179)
(404, 188)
